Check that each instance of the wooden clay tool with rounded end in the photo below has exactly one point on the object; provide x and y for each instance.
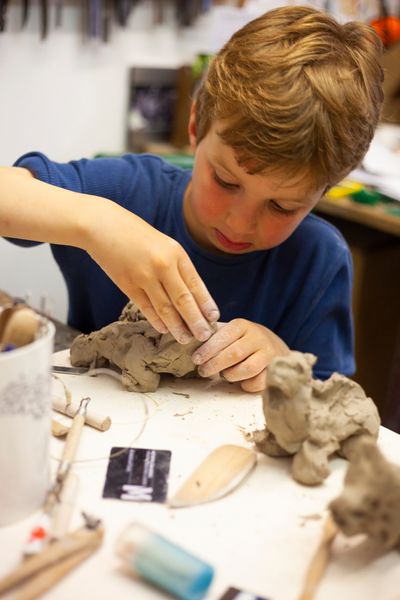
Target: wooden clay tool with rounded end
(319, 561)
(218, 475)
(19, 326)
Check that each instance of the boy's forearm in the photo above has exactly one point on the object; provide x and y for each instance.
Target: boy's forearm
(33, 210)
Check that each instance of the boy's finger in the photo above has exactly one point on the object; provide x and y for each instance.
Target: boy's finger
(221, 340)
(198, 289)
(143, 303)
(188, 309)
(255, 384)
(167, 314)
(247, 369)
(235, 356)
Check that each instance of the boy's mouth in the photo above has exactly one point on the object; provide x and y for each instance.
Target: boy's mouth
(229, 244)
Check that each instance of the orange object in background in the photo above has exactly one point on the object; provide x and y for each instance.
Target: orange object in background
(388, 29)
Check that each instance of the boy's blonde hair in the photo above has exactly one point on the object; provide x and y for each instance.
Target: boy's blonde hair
(299, 92)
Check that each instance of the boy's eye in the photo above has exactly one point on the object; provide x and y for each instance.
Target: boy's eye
(224, 184)
(278, 208)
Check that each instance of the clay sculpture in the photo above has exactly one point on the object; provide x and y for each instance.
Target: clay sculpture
(311, 419)
(370, 500)
(132, 345)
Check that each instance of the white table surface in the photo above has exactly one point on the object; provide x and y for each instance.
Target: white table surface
(260, 538)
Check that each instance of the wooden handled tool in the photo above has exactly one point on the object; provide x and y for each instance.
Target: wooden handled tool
(36, 574)
(319, 561)
(42, 532)
(72, 441)
(92, 418)
(19, 325)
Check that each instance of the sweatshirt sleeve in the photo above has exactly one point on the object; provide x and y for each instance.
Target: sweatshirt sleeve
(112, 178)
(128, 180)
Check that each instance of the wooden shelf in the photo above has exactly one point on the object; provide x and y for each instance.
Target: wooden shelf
(374, 216)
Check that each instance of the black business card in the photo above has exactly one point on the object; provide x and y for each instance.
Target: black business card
(137, 474)
(236, 594)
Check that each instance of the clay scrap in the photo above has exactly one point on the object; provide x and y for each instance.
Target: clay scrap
(311, 419)
(132, 345)
(370, 500)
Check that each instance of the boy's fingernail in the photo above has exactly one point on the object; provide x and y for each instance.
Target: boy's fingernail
(185, 338)
(196, 358)
(202, 371)
(213, 315)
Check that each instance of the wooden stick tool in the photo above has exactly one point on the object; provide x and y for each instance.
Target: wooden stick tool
(34, 576)
(320, 560)
(92, 418)
(42, 532)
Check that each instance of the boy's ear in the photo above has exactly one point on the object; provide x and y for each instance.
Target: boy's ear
(192, 131)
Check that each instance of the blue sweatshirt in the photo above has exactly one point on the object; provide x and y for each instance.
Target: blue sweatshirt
(300, 289)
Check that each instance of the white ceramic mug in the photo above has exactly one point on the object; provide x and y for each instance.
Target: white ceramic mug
(25, 426)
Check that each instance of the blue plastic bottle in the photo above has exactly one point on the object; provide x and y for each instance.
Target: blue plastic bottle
(163, 563)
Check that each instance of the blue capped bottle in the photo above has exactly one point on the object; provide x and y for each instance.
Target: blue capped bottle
(163, 563)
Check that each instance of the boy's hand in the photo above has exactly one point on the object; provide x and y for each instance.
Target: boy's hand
(154, 271)
(241, 351)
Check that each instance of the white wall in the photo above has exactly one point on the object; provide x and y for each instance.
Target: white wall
(68, 98)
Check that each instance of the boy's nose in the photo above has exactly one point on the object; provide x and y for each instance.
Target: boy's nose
(241, 220)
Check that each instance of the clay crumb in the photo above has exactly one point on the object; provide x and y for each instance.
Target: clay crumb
(312, 517)
(248, 435)
(183, 414)
(181, 394)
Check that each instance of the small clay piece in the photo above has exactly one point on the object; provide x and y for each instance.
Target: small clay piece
(132, 345)
(370, 500)
(312, 419)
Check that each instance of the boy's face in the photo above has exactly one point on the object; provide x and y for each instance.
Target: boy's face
(228, 210)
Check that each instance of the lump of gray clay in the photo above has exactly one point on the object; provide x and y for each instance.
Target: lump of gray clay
(132, 345)
(312, 419)
(370, 500)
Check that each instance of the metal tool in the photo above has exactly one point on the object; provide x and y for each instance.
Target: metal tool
(69, 370)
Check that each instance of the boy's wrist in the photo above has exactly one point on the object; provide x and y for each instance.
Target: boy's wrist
(91, 215)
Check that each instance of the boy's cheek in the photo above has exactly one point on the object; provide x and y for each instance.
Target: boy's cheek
(207, 209)
(273, 234)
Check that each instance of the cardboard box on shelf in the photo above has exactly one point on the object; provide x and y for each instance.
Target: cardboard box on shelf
(391, 86)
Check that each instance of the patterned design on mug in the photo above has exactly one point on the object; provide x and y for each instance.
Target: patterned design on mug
(25, 396)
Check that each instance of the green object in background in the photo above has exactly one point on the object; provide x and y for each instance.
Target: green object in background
(185, 161)
(394, 211)
(366, 196)
(200, 65)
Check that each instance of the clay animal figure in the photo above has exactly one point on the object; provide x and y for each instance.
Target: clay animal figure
(132, 345)
(312, 419)
(370, 500)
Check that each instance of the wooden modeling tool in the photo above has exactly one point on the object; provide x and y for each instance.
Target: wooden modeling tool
(19, 326)
(319, 561)
(58, 429)
(42, 532)
(34, 576)
(218, 475)
(92, 418)
(63, 509)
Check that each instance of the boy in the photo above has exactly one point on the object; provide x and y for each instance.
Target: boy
(288, 108)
